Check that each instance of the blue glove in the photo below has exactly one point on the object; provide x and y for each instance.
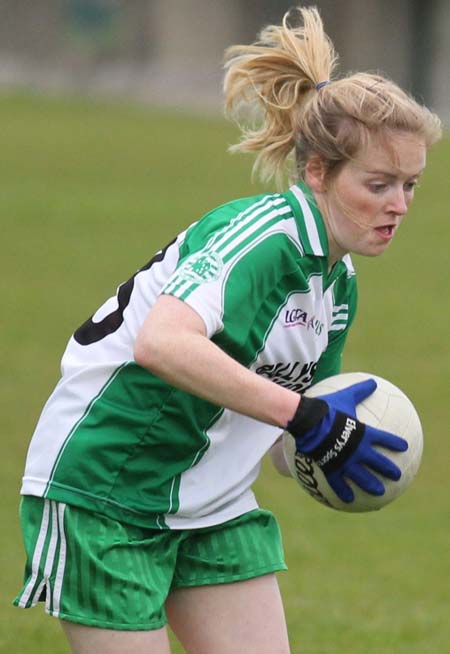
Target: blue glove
(326, 429)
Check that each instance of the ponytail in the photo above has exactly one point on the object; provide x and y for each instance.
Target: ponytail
(281, 92)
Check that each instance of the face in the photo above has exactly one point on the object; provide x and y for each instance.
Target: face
(369, 197)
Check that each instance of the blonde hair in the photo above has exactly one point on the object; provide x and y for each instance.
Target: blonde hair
(278, 82)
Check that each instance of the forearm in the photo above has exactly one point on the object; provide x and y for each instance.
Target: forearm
(186, 358)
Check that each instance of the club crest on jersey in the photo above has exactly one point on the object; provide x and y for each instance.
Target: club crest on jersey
(202, 267)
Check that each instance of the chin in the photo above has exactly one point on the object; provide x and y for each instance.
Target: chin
(377, 248)
(373, 251)
(376, 252)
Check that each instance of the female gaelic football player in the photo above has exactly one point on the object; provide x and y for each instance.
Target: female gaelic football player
(137, 507)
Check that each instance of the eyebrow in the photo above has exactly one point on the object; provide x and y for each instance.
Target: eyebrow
(392, 175)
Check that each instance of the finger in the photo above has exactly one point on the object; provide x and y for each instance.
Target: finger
(362, 390)
(341, 488)
(365, 479)
(386, 439)
(381, 464)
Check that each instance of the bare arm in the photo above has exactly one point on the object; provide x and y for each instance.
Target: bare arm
(173, 344)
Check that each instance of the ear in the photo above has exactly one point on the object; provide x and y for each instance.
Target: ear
(315, 174)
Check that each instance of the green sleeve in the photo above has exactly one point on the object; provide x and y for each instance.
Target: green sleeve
(330, 362)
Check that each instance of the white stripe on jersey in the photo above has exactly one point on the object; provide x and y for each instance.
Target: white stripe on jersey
(243, 219)
(348, 262)
(274, 230)
(221, 243)
(253, 228)
(171, 494)
(310, 223)
(238, 218)
(177, 286)
(339, 318)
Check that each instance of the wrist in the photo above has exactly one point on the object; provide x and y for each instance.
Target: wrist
(310, 411)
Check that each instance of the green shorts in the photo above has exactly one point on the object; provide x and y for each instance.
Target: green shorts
(91, 569)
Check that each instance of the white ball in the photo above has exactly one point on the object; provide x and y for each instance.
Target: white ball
(388, 409)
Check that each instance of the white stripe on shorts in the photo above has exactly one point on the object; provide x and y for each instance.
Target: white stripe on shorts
(62, 561)
(57, 537)
(37, 556)
(48, 561)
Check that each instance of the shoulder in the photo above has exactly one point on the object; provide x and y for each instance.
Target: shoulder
(240, 225)
(243, 212)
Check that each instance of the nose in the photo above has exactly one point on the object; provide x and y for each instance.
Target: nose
(398, 202)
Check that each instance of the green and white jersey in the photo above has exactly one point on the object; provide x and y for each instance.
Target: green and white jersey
(115, 438)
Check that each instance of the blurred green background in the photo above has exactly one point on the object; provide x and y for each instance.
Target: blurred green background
(89, 191)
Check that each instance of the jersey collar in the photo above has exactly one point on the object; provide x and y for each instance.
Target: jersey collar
(309, 220)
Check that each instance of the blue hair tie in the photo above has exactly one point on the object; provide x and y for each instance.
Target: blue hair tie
(322, 84)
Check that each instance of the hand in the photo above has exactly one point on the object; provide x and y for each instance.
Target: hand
(326, 429)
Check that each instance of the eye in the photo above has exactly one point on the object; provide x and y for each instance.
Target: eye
(410, 186)
(377, 187)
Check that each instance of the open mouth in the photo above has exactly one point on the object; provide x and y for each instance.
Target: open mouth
(386, 231)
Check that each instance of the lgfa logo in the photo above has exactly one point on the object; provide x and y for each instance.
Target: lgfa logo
(300, 318)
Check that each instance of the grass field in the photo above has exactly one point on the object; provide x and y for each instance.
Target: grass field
(89, 191)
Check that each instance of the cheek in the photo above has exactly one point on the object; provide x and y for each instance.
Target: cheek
(363, 206)
(353, 199)
(364, 203)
